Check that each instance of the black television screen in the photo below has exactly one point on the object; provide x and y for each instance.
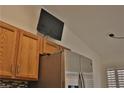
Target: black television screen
(50, 25)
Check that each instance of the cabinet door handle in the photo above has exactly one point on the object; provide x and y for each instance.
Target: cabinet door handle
(18, 67)
(11, 68)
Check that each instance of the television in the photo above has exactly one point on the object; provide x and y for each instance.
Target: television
(49, 25)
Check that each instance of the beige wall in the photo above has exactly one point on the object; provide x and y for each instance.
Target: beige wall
(20, 16)
(26, 17)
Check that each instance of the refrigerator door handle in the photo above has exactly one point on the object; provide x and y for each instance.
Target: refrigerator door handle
(83, 82)
(79, 81)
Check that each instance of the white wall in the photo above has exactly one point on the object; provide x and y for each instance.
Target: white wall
(26, 17)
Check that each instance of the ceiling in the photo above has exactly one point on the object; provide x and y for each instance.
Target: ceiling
(92, 24)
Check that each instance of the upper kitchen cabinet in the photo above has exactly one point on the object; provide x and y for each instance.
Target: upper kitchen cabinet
(51, 72)
(8, 46)
(28, 56)
(50, 47)
(41, 45)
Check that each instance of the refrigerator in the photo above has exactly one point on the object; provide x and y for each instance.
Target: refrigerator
(78, 71)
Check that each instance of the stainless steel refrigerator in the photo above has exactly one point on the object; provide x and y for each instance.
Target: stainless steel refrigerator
(78, 71)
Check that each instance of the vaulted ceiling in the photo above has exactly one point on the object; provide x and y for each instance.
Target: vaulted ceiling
(92, 25)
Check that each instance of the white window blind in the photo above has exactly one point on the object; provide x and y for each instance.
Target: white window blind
(115, 78)
(121, 78)
(111, 79)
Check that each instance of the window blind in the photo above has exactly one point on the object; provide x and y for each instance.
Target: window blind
(115, 78)
(111, 78)
(121, 78)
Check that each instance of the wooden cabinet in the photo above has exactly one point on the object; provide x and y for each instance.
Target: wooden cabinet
(41, 45)
(8, 44)
(19, 53)
(28, 56)
(50, 47)
(50, 73)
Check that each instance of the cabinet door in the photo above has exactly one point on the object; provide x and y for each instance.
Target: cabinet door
(8, 40)
(41, 45)
(86, 65)
(50, 47)
(50, 71)
(72, 62)
(28, 56)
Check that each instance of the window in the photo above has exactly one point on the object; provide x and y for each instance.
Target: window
(115, 78)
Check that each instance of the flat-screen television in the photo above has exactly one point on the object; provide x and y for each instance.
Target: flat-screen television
(49, 25)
